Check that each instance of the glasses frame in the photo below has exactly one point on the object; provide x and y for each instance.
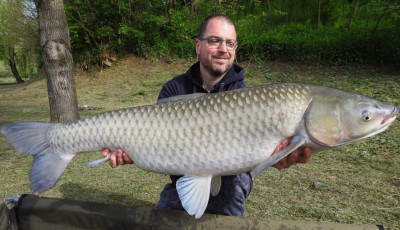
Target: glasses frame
(220, 42)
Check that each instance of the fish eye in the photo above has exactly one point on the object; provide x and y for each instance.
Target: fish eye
(366, 115)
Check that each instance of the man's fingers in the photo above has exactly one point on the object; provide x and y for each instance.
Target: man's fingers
(113, 160)
(105, 152)
(293, 157)
(282, 164)
(278, 148)
(279, 165)
(120, 160)
(126, 158)
(305, 157)
(286, 143)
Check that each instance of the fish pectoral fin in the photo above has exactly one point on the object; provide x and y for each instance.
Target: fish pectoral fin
(215, 185)
(96, 163)
(194, 193)
(296, 142)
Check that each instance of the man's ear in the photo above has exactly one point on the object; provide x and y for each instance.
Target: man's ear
(198, 45)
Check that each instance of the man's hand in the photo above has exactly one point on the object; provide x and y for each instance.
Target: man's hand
(292, 158)
(119, 157)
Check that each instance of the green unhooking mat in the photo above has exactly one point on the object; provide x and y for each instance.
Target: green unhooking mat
(33, 212)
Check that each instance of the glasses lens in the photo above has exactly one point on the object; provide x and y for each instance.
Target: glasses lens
(215, 42)
(231, 44)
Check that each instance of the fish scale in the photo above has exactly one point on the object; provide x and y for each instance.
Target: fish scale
(207, 136)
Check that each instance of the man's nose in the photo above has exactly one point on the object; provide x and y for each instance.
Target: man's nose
(222, 47)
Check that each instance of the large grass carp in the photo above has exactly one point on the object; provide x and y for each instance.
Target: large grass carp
(204, 137)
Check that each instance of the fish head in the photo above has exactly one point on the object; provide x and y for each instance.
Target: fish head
(341, 118)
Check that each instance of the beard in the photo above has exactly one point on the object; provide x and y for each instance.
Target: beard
(216, 69)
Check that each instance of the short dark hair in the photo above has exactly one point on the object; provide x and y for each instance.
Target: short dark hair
(204, 23)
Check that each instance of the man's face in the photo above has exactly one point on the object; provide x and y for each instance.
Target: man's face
(216, 60)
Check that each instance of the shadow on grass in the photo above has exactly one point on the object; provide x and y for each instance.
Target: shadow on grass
(81, 192)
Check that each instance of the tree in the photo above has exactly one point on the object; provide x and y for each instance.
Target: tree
(18, 36)
(13, 64)
(353, 13)
(388, 8)
(319, 13)
(57, 60)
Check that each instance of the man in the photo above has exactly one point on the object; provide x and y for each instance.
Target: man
(215, 72)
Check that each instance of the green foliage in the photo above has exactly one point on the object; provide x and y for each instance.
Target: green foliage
(296, 38)
(300, 43)
(267, 30)
(5, 70)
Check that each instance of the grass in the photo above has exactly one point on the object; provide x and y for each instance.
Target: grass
(5, 73)
(7, 80)
(359, 183)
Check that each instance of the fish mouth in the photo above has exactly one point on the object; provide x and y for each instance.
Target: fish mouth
(391, 117)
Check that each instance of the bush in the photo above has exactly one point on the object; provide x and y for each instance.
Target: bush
(299, 43)
(265, 31)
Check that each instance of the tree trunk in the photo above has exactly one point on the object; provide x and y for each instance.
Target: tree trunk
(319, 13)
(13, 65)
(353, 14)
(14, 70)
(170, 4)
(57, 60)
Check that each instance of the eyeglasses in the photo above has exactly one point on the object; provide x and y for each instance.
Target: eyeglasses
(215, 42)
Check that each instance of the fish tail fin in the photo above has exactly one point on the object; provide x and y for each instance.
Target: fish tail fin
(31, 138)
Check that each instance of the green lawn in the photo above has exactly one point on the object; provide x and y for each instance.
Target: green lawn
(359, 183)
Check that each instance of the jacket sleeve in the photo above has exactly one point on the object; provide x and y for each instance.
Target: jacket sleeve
(167, 90)
(178, 85)
(241, 84)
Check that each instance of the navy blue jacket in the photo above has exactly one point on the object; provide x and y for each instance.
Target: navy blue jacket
(234, 189)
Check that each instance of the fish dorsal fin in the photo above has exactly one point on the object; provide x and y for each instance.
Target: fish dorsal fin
(180, 98)
(215, 185)
(296, 142)
(194, 193)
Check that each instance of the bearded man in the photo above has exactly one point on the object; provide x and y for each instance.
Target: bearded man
(214, 72)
